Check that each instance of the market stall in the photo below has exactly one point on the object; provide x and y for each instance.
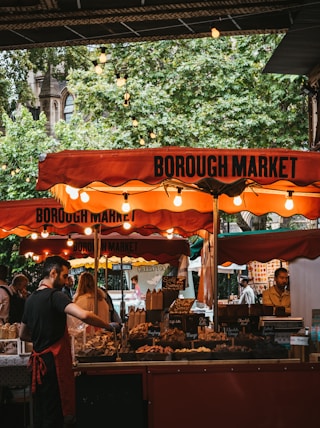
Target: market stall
(209, 179)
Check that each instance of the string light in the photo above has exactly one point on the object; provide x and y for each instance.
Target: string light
(121, 81)
(34, 236)
(289, 201)
(237, 200)
(141, 141)
(135, 123)
(103, 56)
(125, 205)
(70, 241)
(88, 231)
(215, 33)
(178, 198)
(84, 197)
(152, 135)
(126, 225)
(44, 233)
(97, 67)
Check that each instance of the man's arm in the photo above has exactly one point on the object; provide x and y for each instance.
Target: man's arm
(24, 333)
(87, 316)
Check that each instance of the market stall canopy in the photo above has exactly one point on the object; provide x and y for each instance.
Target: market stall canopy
(89, 262)
(151, 247)
(151, 178)
(265, 246)
(33, 215)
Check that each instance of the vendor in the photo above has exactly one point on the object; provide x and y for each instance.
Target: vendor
(278, 295)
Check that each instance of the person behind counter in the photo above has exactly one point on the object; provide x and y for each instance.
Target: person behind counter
(247, 296)
(68, 287)
(85, 296)
(136, 286)
(44, 324)
(278, 295)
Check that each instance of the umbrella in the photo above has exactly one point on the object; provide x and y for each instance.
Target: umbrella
(206, 180)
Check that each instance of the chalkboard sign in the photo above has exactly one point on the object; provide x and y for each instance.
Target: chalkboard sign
(243, 321)
(124, 266)
(232, 332)
(154, 331)
(192, 324)
(174, 282)
(268, 330)
(176, 321)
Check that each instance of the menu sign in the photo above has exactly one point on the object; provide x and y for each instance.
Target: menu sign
(174, 282)
(154, 331)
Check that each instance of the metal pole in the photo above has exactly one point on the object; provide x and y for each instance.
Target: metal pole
(96, 267)
(215, 261)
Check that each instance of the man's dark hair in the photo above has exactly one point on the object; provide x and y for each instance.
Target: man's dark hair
(3, 272)
(54, 262)
(280, 270)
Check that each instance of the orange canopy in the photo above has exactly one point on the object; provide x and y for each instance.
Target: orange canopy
(32, 215)
(151, 178)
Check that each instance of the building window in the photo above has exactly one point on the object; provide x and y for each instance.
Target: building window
(68, 108)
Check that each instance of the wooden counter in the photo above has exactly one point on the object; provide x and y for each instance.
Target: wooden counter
(188, 394)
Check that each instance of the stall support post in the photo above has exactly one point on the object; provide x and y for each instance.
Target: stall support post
(215, 261)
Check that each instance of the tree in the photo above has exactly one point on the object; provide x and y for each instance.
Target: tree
(200, 92)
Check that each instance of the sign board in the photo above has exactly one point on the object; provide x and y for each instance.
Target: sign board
(154, 331)
(174, 282)
(123, 266)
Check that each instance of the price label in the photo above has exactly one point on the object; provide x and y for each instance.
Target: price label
(154, 331)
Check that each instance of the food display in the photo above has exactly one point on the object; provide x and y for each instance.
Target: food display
(101, 347)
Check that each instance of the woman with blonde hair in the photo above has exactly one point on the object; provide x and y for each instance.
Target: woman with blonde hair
(84, 296)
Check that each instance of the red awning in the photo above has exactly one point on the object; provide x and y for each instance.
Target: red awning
(157, 248)
(31, 215)
(152, 177)
(263, 247)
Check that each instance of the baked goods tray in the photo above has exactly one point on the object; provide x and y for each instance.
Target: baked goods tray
(96, 358)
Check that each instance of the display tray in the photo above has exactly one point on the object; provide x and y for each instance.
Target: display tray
(153, 356)
(210, 343)
(128, 356)
(136, 343)
(191, 356)
(231, 355)
(96, 358)
(175, 344)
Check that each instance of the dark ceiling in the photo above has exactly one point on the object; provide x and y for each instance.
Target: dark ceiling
(26, 24)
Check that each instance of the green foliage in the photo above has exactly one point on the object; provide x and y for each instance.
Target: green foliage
(20, 147)
(200, 93)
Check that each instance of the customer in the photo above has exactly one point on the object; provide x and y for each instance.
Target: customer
(19, 293)
(44, 323)
(85, 296)
(247, 296)
(4, 296)
(136, 286)
(68, 287)
(278, 295)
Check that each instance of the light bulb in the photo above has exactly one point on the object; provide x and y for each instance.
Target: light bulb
(126, 225)
(70, 242)
(215, 33)
(84, 197)
(125, 205)
(170, 231)
(127, 96)
(74, 193)
(44, 233)
(97, 67)
(120, 80)
(103, 56)
(34, 235)
(178, 199)
(88, 231)
(237, 200)
(289, 201)
(135, 123)
(141, 141)
(169, 235)
(153, 135)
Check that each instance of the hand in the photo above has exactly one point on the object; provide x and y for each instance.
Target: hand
(115, 326)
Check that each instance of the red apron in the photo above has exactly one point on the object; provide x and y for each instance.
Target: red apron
(61, 351)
